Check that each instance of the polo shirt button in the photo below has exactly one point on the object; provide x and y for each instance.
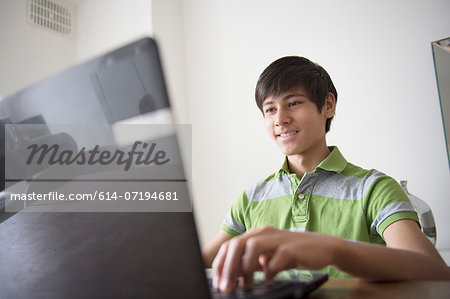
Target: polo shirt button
(301, 196)
(293, 180)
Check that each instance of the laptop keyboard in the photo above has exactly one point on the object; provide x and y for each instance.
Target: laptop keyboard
(267, 289)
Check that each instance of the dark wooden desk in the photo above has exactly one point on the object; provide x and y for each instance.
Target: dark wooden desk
(355, 288)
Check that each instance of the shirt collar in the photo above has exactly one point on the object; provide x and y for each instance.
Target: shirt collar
(335, 162)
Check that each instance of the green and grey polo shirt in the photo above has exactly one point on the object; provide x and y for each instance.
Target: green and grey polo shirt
(337, 198)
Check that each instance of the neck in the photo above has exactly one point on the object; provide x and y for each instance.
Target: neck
(307, 162)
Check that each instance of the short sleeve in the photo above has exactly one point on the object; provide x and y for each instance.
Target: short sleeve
(234, 222)
(386, 203)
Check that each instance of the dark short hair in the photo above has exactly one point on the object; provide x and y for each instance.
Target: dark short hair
(293, 72)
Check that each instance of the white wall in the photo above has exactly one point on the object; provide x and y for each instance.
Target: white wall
(104, 25)
(29, 53)
(167, 24)
(379, 56)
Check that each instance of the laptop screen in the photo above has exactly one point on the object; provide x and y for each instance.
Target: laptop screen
(116, 87)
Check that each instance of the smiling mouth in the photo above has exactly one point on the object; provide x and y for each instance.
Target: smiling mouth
(287, 134)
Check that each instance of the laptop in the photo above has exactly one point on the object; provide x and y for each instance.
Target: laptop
(134, 234)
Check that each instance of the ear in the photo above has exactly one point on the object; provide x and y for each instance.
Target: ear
(330, 105)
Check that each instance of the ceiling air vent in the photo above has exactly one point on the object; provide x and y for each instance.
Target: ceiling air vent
(49, 15)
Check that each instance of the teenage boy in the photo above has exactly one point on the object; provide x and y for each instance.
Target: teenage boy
(318, 210)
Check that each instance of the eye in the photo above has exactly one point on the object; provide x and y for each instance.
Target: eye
(294, 103)
(269, 110)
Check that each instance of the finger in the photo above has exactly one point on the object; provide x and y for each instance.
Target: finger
(284, 258)
(217, 265)
(257, 252)
(232, 264)
(263, 260)
(250, 262)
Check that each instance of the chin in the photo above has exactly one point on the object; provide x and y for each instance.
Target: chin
(288, 152)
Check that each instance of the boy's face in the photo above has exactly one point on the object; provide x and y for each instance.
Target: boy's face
(295, 123)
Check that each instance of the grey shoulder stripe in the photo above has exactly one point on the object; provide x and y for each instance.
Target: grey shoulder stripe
(395, 207)
(369, 180)
(335, 185)
(234, 224)
(279, 186)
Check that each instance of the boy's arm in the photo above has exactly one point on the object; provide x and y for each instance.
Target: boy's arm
(210, 249)
(409, 255)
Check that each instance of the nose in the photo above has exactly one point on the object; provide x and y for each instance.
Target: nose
(282, 118)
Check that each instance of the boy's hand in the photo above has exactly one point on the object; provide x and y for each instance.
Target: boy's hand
(270, 250)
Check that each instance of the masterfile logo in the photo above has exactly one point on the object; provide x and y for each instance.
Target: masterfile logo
(90, 168)
(145, 154)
